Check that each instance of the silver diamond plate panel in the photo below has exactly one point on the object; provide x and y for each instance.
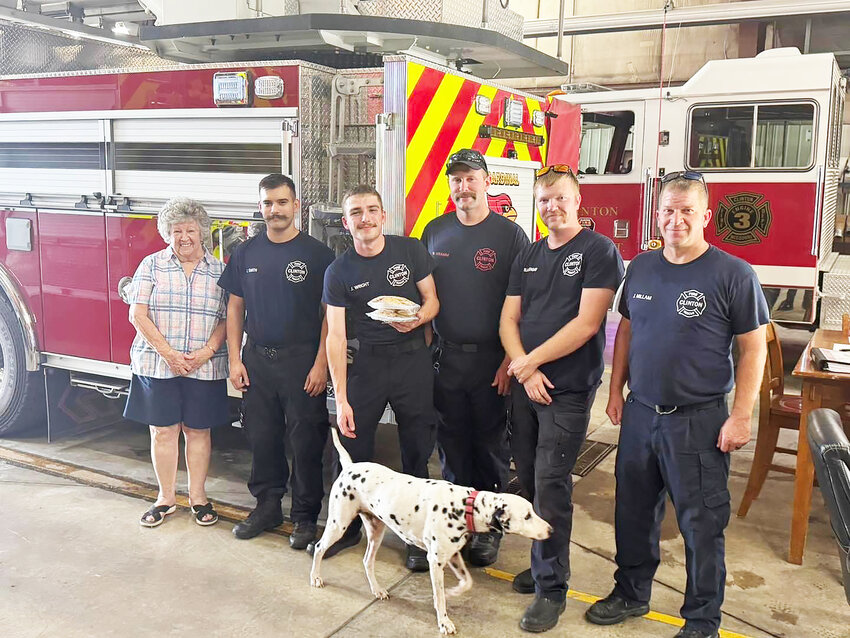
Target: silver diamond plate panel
(836, 294)
(25, 51)
(467, 13)
(314, 105)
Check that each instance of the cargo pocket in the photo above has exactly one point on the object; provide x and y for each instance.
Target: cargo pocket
(565, 443)
(713, 478)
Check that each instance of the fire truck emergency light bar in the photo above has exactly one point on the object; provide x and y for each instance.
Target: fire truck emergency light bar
(510, 135)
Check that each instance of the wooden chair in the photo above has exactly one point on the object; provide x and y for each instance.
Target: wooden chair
(777, 410)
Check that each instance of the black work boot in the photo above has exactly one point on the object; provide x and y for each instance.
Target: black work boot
(416, 559)
(303, 533)
(265, 516)
(524, 583)
(484, 549)
(350, 538)
(542, 614)
(691, 632)
(613, 609)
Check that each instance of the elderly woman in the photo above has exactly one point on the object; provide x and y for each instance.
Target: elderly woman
(178, 363)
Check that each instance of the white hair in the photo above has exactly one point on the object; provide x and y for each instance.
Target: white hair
(178, 210)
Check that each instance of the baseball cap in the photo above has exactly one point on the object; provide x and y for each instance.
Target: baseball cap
(467, 157)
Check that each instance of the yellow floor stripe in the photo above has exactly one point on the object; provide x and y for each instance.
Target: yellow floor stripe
(590, 599)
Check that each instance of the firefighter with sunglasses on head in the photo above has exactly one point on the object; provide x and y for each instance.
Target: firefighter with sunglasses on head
(473, 249)
(553, 330)
(681, 308)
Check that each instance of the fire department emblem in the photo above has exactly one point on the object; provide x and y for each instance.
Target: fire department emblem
(572, 265)
(296, 271)
(485, 259)
(690, 303)
(742, 218)
(398, 274)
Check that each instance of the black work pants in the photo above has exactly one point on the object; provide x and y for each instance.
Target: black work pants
(545, 441)
(274, 405)
(472, 431)
(675, 454)
(405, 380)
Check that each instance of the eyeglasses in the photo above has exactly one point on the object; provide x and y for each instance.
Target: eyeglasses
(465, 155)
(555, 168)
(693, 176)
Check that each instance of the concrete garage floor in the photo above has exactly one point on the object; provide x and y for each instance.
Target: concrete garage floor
(75, 562)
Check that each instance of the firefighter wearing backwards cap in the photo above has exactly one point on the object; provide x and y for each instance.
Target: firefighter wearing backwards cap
(393, 362)
(473, 249)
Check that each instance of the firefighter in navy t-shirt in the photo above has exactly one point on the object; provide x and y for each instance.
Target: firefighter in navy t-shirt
(681, 308)
(392, 363)
(276, 276)
(473, 249)
(553, 329)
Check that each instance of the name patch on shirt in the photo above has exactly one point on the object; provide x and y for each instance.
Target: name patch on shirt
(530, 269)
(485, 259)
(398, 274)
(572, 265)
(640, 295)
(359, 286)
(247, 270)
(438, 253)
(691, 303)
(296, 271)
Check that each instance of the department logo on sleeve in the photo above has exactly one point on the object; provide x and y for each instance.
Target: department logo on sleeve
(398, 274)
(296, 271)
(485, 259)
(572, 265)
(690, 303)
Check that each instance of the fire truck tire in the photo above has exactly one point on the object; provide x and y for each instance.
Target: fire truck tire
(21, 392)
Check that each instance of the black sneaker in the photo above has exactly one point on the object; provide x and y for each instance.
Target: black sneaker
(263, 518)
(484, 549)
(348, 540)
(524, 583)
(614, 609)
(303, 533)
(690, 632)
(416, 559)
(542, 614)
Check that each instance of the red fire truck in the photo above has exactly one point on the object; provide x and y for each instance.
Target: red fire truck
(764, 131)
(86, 160)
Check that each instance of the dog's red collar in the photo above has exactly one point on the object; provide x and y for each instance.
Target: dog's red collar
(469, 504)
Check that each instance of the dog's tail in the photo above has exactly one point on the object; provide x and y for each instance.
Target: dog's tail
(344, 458)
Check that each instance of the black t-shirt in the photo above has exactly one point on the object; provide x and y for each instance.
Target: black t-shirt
(472, 265)
(683, 317)
(550, 283)
(282, 288)
(352, 280)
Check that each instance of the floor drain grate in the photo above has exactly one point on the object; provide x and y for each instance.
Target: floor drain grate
(589, 456)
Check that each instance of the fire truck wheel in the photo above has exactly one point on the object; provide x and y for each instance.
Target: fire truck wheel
(21, 392)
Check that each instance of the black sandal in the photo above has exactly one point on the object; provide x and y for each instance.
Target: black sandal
(201, 511)
(158, 514)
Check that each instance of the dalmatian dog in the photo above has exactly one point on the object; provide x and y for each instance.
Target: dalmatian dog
(434, 515)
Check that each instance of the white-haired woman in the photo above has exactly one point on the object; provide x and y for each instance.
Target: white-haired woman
(177, 359)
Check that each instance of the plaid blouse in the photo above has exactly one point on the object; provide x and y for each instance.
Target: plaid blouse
(185, 310)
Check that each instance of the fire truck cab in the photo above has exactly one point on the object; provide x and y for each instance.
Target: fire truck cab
(764, 131)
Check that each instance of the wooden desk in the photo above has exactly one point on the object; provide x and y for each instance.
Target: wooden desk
(820, 390)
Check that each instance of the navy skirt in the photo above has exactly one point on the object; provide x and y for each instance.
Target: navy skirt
(162, 402)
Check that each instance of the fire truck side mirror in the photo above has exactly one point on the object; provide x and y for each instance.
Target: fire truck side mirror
(124, 289)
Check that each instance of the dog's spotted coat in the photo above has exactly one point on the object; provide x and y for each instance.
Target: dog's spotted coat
(422, 512)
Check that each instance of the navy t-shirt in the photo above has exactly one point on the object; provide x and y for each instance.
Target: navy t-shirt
(683, 317)
(352, 280)
(282, 288)
(550, 283)
(472, 265)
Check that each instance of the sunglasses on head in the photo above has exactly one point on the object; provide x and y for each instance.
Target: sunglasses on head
(555, 168)
(693, 176)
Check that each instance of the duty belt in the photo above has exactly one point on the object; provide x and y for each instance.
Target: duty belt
(417, 343)
(278, 352)
(492, 346)
(680, 409)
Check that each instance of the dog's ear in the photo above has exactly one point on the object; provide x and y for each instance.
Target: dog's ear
(499, 522)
